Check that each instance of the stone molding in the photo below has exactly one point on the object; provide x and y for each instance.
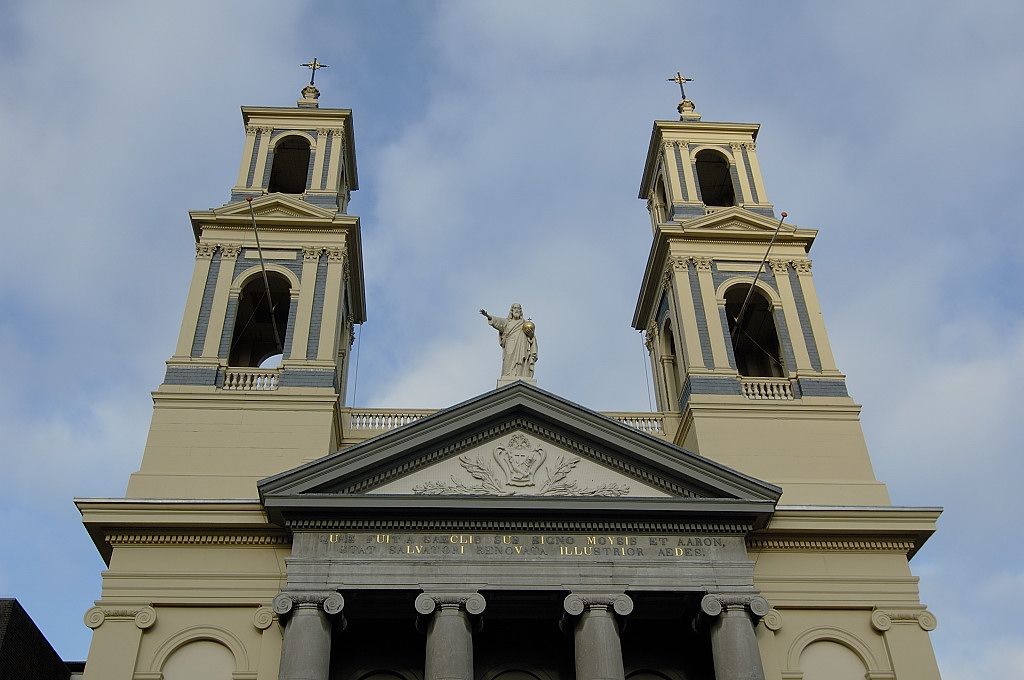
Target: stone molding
(335, 254)
(471, 603)
(883, 619)
(714, 604)
(263, 618)
(196, 539)
(838, 543)
(750, 146)
(330, 601)
(251, 129)
(516, 525)
(680, 264)
(576, 603)
(311, 252)
(779, 266)
(144, 616)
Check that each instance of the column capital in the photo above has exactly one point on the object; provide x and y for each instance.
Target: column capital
(883, 619)
(702, 263)
(577, 603)
(801, 266)
(471, 603)
(779, 266)
(205, 250)
(331, 602)
(229, 250)
(714, 604)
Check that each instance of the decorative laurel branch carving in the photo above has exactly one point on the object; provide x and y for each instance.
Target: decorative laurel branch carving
(489, 484)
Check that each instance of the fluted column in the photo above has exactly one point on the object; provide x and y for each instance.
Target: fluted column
(596, 634)
(449, 633)
(306, 654)
(733, 640)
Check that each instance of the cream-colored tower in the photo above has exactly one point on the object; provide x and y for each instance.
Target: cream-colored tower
(226, 416)
(765, 397)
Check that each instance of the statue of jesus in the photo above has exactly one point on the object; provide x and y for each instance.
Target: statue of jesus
(518, 342)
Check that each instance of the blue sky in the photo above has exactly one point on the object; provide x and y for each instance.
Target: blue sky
(500, 147)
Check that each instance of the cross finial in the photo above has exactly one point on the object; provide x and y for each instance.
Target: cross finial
(313, 66)
(680, 79)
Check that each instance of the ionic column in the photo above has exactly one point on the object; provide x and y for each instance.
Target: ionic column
(716, 333)
(672, 172)
(449, 633)
(306, 653)
(247, 151)
(327, 347)
(780, 268)
(318, 159)
(596, 635)
(733, 640)
(334, 162)
(803, 272)
(218, 311)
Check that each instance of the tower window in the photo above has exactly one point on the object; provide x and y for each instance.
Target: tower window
(253, 341)
(291, 165)
(755, 341)
(715, 179)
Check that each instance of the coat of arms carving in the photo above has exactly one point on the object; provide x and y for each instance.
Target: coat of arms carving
(519, 463)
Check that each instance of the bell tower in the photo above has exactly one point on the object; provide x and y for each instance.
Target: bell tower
(735, 334)
(257, 379)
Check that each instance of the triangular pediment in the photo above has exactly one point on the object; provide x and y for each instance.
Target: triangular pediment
(275, 205)
(516, 448)
(742, 221)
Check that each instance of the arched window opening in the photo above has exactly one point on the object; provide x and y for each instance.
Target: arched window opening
(668, 368)
(756, 341)
(715, 179)
(660, 201)
(253, 342)
(291, 163)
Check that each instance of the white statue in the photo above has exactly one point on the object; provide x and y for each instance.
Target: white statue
(518, 342)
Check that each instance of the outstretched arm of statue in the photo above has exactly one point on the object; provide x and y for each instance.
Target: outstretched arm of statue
(484, 312)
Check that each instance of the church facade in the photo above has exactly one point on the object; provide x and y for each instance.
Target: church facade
(738, 532)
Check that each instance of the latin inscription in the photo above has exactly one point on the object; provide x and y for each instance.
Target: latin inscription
(474, 546)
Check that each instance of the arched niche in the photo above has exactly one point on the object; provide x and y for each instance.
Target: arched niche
(184, 639)
(821, 647)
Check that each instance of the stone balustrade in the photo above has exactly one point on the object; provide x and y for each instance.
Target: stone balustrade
(767, 388)
(251, 379)
(389, 419)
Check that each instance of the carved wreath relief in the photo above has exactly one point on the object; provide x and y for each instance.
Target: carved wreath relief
(518, 465)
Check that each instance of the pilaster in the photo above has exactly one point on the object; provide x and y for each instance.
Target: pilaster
(261, 155)
(668, 158)
(905, 632)
(116, 634)
(190, 317)
(687, 321)
(228, 255)
(781, 270)
(304, 309)
(247, 151)
(337, 152)
(318, 159)
(741, 172)
(328, 343)
(755, 170)
(688, 176)
(803, 271)
(716, 333)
